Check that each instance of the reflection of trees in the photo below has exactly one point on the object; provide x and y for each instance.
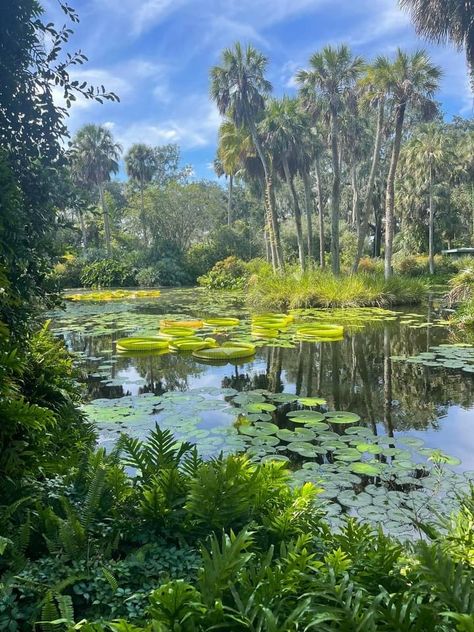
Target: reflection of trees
(357, 374)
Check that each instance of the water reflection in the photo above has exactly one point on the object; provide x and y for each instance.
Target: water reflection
(355, 374)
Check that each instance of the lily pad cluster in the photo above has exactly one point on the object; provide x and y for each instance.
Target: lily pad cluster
(113, 295)
(458, 356)
(394, 481)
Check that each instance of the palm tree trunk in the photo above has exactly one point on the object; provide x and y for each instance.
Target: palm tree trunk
(355, 220)
(390, 193)
(229, 202)
(296, 205)
(319, 195)
(363, 224)
(274, 232)
(336, 194)
(308, 200)
(142, 216)
(431, 224)
(105, 214)
(83, 229)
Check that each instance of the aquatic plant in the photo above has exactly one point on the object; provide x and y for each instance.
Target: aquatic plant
(318, 288)
(112, 295)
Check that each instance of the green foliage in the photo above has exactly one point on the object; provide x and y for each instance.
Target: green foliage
(267, 560)
(108, 273)
(318, 288)
(229, 274)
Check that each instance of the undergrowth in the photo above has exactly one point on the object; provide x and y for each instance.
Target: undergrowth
(317, 288)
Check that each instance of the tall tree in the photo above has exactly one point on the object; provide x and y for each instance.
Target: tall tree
(283, 129)
(140, 163)
(95, 157)
(332, 73)
(412, 81)
(374, 87)
(234, 145)
(428, 157)
(445, 20)
(239, 88)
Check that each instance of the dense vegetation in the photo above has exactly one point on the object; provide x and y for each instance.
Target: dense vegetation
(150, 533)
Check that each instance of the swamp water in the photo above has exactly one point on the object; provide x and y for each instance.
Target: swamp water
(383, 419)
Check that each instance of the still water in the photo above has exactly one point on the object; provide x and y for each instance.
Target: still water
(382, 421)
(355, 374)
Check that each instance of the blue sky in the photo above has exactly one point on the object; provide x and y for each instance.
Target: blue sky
(156, 55)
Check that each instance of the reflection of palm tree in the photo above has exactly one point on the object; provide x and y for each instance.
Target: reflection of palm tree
(299, 372)
(387, 382)
(335, 375)
(362, 367)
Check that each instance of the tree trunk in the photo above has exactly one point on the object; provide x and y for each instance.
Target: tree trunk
(274, 229)
(142, 216)
(83, 229)
(390, 193)
(319, 195)
(363, 224)
(431, 224)
(336, 194)
(308, 200)
(355, 220)
(105, 214)
(297, 210)
(229, 202)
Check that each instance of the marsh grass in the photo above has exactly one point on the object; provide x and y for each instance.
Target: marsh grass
(318, 288)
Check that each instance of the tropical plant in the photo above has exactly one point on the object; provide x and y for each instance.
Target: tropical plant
(94, 157)
(374, 88)
(428, 159)
(443, 20)
(140, 163)
(234, 145)
(239, 88)
(411, 81)
(332, 74)
(282, 130)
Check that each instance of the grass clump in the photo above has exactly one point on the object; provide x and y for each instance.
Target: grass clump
(320, 288)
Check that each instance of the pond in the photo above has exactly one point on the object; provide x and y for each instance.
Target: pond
(383, 418)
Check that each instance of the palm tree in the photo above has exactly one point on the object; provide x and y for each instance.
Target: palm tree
(411, 80)
(239, 88)
(234, 145)
(95, 157)
(427, 157)
(140, 163)
(332, 73)
(283, 129)
(443, 20)
(374, 87)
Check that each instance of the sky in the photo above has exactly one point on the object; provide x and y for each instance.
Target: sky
(156, 55)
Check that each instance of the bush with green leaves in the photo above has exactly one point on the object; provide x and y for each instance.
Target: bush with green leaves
(229, 274)
(154, 535)
(42, 429)
(108, 273)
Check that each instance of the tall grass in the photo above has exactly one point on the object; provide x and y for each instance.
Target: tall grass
(318, 288)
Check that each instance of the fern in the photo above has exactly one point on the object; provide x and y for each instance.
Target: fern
(222, 562)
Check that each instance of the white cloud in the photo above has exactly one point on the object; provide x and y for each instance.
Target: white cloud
(196, 128)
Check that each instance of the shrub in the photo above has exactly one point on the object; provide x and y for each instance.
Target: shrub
(320, 288)
(148, 277)
(370, 265)
(411, 265)
(108, 273)
(229, 274)
(170, 272)
(67, 273)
